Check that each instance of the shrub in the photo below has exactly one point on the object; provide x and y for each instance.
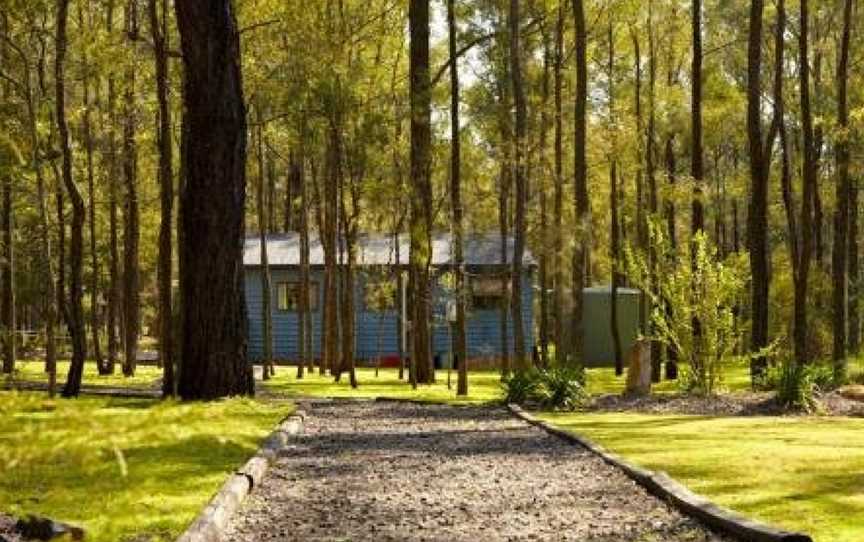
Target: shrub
(564, 388)
(796, 386)
(698, 288)
(522, 386)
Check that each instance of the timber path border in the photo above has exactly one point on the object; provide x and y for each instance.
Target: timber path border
(210, 524)
(666, 488)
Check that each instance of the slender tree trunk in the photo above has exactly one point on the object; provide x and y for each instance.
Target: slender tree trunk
(808, 189)
(213, 308)
(582, 254)
(50, 297)
(696, 163)
(854, 288)
(546, 171)
(7, 269)
(159, 34)
(266, 291)
(76, 246)
(113, 222)
(131, 227)
(757, 216)
(558, 206)
(520, 174)
(651, 169)
(420, 255)
(305, 313)
(460, 347)
(615, 243)
(841, 218)
(91, 196)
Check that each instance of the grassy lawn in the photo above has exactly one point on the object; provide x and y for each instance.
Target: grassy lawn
(802, 473)
(34, 371)
(483, 386)
(123, 467)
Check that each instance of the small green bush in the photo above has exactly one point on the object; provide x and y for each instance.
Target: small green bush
(564, 388)
(797, 387)
(522, 386)
(559, 387)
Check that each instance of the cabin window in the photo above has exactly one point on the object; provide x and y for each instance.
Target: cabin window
(288, 296)
(381, 295)
(487, 293)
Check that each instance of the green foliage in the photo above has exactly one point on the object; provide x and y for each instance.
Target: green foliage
(694, 306)
(564, 388)
(796, 387)
(522, 386)
(557, 388)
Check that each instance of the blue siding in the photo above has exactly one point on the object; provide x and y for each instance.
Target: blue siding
(377, 332)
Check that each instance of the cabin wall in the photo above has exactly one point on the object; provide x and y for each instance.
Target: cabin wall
(377, 332)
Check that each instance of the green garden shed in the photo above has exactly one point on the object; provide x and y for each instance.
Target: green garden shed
(598, 349)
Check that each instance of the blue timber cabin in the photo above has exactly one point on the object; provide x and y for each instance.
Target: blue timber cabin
(378, 304)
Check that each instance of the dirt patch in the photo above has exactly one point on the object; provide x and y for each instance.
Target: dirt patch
(731, 404)
(396, 471)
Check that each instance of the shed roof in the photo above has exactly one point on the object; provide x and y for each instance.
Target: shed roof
(379, 249)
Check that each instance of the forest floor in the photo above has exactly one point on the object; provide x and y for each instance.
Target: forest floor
(123, 469)
(403, 471)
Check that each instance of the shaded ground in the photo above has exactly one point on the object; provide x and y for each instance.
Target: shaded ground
(396, 471)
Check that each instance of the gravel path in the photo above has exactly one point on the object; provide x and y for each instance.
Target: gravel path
(397, 471)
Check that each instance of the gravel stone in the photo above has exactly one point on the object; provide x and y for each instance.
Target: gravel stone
(387, 471)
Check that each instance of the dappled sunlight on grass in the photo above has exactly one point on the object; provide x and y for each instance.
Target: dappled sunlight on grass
(802, 473)
(34, 371)
(123, 467)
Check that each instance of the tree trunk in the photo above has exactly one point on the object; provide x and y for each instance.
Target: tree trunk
(696, 159)
(91, 195)
(305, 314)
(582, 254)
(113, 222)
(159, 34)
(545, 170)
(460, 346)
(651, 169)
(213, 308)
(558, 206)
(7, 270)
(131, 226)
(615, 248)
(757, 216)
(808, 188)
(76, 239)
(420, 256)
(520, 173)
(841, 218)
(266, 291)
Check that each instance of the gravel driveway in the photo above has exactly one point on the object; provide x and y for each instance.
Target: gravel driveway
(397, 471)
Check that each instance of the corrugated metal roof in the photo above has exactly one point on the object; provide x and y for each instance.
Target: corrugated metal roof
(379, 249)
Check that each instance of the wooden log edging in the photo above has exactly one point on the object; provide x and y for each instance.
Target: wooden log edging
(210, 524)
(666, 488)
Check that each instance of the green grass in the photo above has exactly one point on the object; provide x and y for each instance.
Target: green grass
(123, 467)
(801, 473)
(34, 371)
(483, 386)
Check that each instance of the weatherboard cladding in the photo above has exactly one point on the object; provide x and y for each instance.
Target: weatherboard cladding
(376, 330)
